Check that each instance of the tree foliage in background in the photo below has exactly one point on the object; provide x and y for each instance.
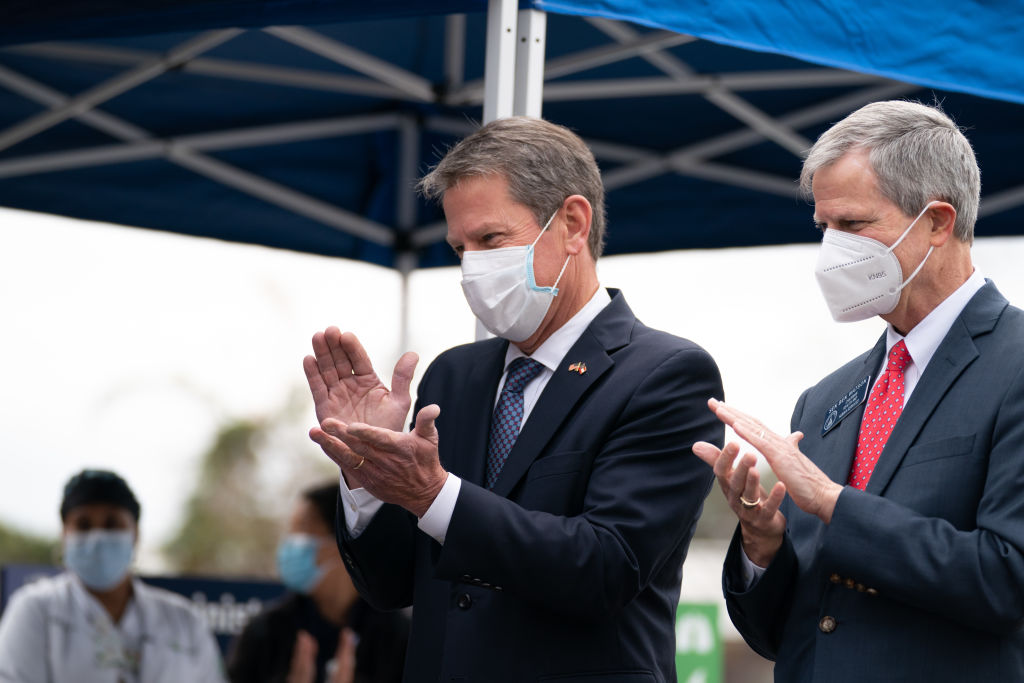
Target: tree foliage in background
(17, 547)
(225, 529)
(249, 477)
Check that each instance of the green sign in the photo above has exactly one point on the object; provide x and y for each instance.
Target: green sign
(698, 643)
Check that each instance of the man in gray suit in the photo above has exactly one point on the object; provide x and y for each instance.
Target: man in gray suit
(898, 554)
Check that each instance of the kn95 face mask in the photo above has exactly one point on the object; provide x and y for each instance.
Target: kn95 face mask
(860, 277)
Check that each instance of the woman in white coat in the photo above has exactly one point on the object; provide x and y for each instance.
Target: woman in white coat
(96, 623)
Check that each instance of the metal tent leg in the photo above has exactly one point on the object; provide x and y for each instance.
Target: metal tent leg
(529, 87)
(499, 65)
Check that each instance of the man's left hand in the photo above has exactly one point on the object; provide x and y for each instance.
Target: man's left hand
(809, 487)
(396, 467)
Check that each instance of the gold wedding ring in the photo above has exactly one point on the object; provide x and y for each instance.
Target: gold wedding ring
(363, 459)
(747, 504)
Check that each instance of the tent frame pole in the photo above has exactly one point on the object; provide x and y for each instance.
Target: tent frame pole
(500, 60)
(111, 88)
(407, 260)
(529, 85)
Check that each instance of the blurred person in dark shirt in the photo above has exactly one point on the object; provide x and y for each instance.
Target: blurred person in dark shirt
(321, 630)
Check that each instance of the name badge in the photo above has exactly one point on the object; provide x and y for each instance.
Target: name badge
(846, 405)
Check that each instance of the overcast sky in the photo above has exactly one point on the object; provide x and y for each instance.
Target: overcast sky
(126, 348)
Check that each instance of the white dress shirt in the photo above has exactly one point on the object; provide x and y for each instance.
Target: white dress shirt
(922, 342)
(360, 506)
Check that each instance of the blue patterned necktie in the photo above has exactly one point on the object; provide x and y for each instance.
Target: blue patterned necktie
(508, 415)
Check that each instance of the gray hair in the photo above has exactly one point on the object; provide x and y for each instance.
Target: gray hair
(918, 153)
(542, 162)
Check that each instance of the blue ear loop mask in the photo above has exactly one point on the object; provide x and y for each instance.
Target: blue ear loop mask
(101, 557)
(502, 291)
(861, 277)
(296, 562)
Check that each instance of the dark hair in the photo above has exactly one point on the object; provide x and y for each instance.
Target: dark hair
(98, 486)
(324, 498)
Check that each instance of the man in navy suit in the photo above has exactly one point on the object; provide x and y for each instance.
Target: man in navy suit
(898, 554)
(538, 514)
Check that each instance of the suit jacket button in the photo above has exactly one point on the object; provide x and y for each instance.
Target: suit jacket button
(464, 601)
(849, 583)
(827, 624)
(835, 578)
(871, 591)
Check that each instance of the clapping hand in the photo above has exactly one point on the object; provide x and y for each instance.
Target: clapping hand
(761, 523)
(345, 388)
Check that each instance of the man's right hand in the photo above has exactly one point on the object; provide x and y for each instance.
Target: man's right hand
(346, 388)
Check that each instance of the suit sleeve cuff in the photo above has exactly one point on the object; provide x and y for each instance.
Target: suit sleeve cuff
(750, 573)
(359, 506)
(438, 516)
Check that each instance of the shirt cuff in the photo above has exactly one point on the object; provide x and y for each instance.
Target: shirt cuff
(438, 516)
(749, 572)
(359, 506)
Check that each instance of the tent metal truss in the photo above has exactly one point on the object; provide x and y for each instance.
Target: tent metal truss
(515, 80)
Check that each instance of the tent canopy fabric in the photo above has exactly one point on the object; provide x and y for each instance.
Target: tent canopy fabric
(304, 124)
(969, 46)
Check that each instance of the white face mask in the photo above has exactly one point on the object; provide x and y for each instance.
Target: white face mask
(502, 292)
(861, 277)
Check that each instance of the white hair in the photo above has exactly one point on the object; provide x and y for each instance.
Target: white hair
(917, 152)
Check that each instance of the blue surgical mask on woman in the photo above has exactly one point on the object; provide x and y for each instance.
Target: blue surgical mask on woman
(296, 562)
(101, 557)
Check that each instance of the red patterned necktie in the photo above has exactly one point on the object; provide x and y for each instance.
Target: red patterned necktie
(508, 415)
(883, 409)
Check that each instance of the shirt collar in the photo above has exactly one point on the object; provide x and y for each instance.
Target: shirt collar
(924, 339)
(553, 350)
(87, 603)
(83, 600)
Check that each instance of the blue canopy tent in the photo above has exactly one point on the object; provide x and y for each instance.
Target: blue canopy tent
(303, 124)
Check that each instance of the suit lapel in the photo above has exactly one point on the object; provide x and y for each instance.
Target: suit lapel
(840, 444)
(954, 354)
(609, 330)
(475, 408)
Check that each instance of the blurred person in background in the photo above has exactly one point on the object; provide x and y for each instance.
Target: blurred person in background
(96, 623)
(321, 630)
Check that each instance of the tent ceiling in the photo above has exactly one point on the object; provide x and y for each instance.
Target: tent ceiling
(311, 137)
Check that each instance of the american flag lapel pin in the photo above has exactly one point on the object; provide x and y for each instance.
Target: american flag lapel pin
(579, 367)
